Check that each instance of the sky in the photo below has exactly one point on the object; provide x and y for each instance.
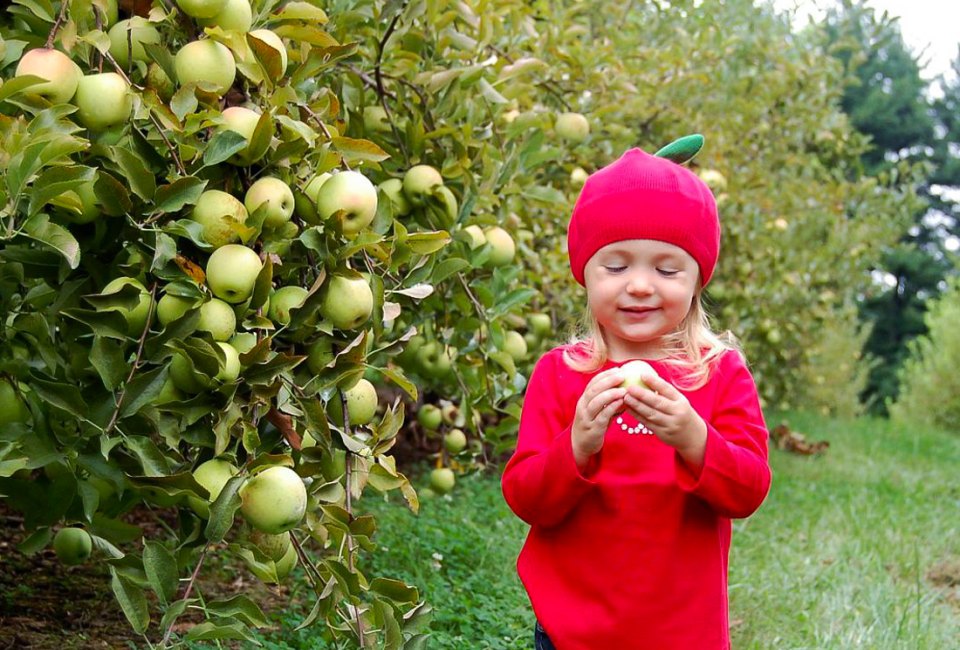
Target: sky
(931, 28)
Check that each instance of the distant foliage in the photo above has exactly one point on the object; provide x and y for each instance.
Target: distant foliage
(930, 384)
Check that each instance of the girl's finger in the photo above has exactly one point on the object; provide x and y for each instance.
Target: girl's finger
(603, 401)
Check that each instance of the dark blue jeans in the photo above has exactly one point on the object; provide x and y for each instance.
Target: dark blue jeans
(540, 639)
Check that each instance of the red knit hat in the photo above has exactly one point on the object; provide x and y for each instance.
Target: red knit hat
(641, 196)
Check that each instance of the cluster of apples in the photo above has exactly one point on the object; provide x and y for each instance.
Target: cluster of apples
(448, 417)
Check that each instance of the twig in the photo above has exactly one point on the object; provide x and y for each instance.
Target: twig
(482, 313)
(326, 133)
(136, 361)
(546, 85)
(349, 536)
(186, 594)
(57, 24)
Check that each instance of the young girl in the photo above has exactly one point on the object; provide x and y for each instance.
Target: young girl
(629, 492)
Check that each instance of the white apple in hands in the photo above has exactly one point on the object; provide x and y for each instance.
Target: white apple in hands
(219, 213)
(350, 194)
(61, 73)
(276, 195)
(635, 372)
(206, 61)
(103, 100)
(348, 302)
(232, 272)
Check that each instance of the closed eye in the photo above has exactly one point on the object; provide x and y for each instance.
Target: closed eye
(615, 269)
(667, 273)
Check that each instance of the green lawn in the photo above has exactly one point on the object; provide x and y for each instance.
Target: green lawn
(854, 549)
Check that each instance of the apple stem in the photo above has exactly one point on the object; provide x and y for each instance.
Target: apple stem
(57, 24)
(136, 361)
(186, 594)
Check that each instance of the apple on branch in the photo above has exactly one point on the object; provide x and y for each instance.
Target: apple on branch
(61, 73)
(219, 213)
(103, 100)
(275, 195)
(232, 272)
(208, 63)
(127, 40)
(348, 302)
(350, 194)
(274, 500)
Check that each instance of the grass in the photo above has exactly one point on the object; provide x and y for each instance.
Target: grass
(859, 548)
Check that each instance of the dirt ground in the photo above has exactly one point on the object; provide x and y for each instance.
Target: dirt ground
(45, 605)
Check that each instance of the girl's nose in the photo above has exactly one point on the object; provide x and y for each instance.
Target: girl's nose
(639, 284)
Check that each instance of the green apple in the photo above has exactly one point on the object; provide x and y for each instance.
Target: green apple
(201, 8)
(230, 370)
(320, 354)
(455, 441)
(362, 403)
(515, 345)
(282, 566)
(286, 564)
(243, 342)
(212, 475)
(136, 316)
(502, 246)
(277, 196)
(236, 16)
(572, 126)
(61, 73)
(274, 41)
(242, 120)
(274, 500)
(220, 214)
(273, 547)
(217, 317)
(476, 236)
(283, 300)
(430, 417)
(452, 414)
(393, 188)
(419, 182)
(716, 181)
(442, 480)
(447, 210)
(72, 545)
(12, 408)
(171, 307)
(79, 205)
(348, 302)
(206, 61)
(168, 393)
(353, 196)
(540, 324)
(434, 360)
(634, 372)
(578, 177)
(141, 32)
(103, 100)
(375, 119)
(232, 272)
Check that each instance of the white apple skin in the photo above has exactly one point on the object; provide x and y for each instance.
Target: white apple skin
(283, 300)
(230, 370)
(244, 121)
(634, 372)
(502, 246)
(216, 211)
(348, 302)
(276, 194)
(232, 272)
(362, 403)
(141, 31)
(354, 194)
(61, 73)
(217, 318)
(206, 60)
(274, 41)
(103, 100)
(236, 16)
(201, 8)
(274, 500)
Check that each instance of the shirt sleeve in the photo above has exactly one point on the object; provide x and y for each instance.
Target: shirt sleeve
(541, 482)
(735, 476)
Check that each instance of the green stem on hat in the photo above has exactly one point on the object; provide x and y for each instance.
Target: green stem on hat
(683, 149)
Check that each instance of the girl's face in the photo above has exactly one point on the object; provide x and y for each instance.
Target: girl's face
(639, 291)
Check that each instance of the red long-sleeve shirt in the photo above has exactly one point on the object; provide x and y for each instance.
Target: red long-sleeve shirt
(632, 554)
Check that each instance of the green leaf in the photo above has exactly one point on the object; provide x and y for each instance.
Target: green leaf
(160, 565)
(141, 179)
(132, 601)
(544, 194)
(55, 181)
(222, 146)
(39, 228)
(112, 194)
(354, 149)
(181, 192)
(222, 510)
(220, 630)
(63, 396)
(152, 460)
(142, 390)
(18, 84)
(109, 360)
(426, 243)
(240, 606)
(396, 375)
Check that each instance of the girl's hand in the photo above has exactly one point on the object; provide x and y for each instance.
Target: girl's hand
(600, 401)
(666, 412)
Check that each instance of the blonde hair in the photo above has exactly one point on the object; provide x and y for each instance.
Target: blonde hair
(694, 347)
